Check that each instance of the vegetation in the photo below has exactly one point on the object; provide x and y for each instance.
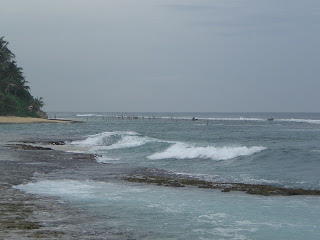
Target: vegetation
(15, 97)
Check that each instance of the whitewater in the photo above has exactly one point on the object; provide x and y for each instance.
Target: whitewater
(217, 147)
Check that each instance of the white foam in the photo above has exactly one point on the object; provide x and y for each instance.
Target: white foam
(187, 151)
(114, 140)
(105, 159)
(86, 115)
(312, 121)
(90, 115)
(130, 142)
(58, 188)
(214, 119)
(213, 216)
(233, 119)
(76, 190)
(251, 180)
(100, 138)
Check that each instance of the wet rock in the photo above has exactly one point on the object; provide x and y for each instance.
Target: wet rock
(265, 190)
(27, 147)
(57, 143)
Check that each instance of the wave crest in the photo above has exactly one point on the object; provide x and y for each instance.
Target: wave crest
(298, 120)
(114, 140)
(185, 151)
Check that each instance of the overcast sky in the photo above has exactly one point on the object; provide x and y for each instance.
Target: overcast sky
(168, 55)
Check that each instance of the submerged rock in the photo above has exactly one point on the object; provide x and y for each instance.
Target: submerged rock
(27, 147)
(265, 190)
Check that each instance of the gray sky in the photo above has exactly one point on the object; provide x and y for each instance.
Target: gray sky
(168, 55)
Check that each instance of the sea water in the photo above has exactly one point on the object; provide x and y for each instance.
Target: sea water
(219, 147)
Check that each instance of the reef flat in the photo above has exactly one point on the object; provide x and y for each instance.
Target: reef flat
(265, 190)
(31, 216)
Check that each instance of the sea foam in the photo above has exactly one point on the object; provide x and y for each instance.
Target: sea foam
(187, 151)
(105, 159)
(179, 150)
(86, 115)
(114, 140)
(215, 119)
(297, 120)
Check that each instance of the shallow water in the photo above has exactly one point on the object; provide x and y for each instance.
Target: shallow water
(234, 147)
(186, 213)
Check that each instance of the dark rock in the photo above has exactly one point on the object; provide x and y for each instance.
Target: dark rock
(265, 190)
(27, 147)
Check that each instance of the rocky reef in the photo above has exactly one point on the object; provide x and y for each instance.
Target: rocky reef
(265, 190)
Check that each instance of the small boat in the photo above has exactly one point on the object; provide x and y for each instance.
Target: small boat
(194, 119)
(270, 119)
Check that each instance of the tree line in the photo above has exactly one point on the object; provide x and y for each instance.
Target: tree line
(15, 96)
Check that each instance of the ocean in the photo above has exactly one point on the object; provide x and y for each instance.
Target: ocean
(278, 149)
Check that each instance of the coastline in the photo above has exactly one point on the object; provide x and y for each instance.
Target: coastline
(32, 216)
(13, 119)
(38, 174)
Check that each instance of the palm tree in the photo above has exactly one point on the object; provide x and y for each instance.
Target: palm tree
(12, 77)
(37, 104)
(7, 67)
(5, 54)
(15, 97)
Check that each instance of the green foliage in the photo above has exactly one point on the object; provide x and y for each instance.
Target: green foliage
(15, 98)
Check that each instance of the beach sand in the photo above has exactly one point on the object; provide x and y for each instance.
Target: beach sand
(13, 119)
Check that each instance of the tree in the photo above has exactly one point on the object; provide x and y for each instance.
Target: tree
(12, 76)
(5, 54)
(37, 104)
(15, 97)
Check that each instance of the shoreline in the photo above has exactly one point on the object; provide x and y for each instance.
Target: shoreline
(17, 120)
(163, 178)
(32, 216)
(32, 161)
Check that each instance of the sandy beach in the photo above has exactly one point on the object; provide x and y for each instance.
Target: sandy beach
(13, 119)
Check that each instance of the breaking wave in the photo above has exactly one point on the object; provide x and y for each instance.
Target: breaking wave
(90, 115)
(98, 143)
(86, 115)
(104, 159)
(187, 151)
(234, 119)
(312, 121)
(114, 140)
(245, 119)
(215, 119)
